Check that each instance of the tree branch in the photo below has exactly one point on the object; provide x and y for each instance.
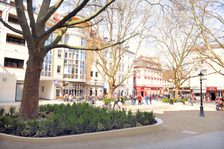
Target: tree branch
(10, 27)
(52, 10)
(31, 17)
(93, 24)
(23, 22)
(71, 23)
(61, 23)
(43, 11)
(90, 49)
(157, 4)
(56, 41)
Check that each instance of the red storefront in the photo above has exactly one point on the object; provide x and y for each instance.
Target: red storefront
(211, 93)
(144, 90)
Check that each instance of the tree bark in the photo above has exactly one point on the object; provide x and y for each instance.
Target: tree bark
(111, 91)
(30, 98)
(176, 92)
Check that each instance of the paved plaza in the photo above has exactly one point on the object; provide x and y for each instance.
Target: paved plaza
(182, 128)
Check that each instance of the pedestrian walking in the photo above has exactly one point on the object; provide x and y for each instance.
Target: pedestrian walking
(132, 99)
(157, 97)
(192, 98)
(139, 99)
(150, 98)
(147, 99)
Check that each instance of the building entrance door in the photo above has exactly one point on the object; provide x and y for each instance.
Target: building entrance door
(212, 95)
(19, 91)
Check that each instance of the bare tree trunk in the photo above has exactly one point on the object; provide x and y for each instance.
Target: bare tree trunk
(30, 98)
(111, 91)
(176, 92)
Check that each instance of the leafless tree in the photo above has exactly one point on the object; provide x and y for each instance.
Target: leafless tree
(33, 29)
(176, 38)
(209, 19)
(122, 20)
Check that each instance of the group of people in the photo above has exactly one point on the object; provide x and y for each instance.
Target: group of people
(68, 97)
(72, 98)
(139, 98)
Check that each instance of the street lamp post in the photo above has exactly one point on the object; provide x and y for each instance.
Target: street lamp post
(201, 107)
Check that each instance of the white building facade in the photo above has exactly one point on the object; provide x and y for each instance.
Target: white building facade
(212, 81)
(63, 69)
(98, 80)
(13, 56)
(147, 76)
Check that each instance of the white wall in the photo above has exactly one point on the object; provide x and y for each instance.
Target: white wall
(46, 89)
(57, 61)
(7, 87)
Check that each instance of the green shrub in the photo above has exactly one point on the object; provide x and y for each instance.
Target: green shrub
(131, 120)
(12, 111)
(165, 100)
(69, 119)
(175, 100)
(145, 118)
(183, 100)
(107, 101)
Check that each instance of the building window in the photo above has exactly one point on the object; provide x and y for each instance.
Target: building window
(96, 74)
(77, 56)
(50, 39)
(91, 92)
(47, 64)
(15, 39)
(83, 42)
(58, 69)
(66, 37)
(96, 92)
(91, 73)
(13, 19)
(60, 53)
(15, 63)
(75, 67)
(42, 89)
(66, 55)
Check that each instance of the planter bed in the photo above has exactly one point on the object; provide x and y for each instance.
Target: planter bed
(62, 120)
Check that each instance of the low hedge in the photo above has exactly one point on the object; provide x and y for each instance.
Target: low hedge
(183, 100)
(58, 120)
(166, 100)
(173, 100)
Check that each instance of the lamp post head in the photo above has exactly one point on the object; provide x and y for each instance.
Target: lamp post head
(200, 74)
